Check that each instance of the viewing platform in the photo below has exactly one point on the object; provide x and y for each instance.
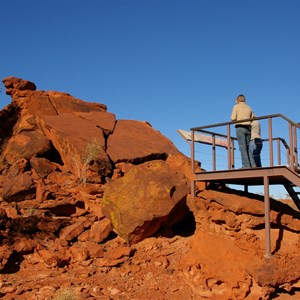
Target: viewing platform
(215, 148)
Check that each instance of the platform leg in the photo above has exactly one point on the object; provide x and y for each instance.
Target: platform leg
(267, 217)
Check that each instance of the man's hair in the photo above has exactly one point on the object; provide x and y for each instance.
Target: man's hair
(241, 98)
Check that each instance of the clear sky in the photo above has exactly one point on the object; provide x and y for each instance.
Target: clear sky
(174, 63)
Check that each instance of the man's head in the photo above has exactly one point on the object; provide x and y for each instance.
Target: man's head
(240, 98)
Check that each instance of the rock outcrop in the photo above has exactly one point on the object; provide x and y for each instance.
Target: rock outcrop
(100, 208)
(60, 152)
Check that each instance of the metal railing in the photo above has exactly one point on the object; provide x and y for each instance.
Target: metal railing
(289, 141)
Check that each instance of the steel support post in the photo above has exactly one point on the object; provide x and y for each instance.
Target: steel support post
(267, 217)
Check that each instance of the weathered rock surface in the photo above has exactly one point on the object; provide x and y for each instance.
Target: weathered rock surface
(230, 240)
(92, 207)
(136, 142)
(148, 197)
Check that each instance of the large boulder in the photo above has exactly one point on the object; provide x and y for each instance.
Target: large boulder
(14, 84)
(150, 196)
(78, 141)
(135, 142)
(26, 145)
(18, 188)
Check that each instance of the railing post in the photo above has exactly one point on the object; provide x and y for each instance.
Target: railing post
(193, 151)
(295, 145)
(232, 155)
(278, 152)
(291, 162)
(267, 217)
(193, 161)
(193, 190)
(270, 141)
(229, 154)
(214, 165)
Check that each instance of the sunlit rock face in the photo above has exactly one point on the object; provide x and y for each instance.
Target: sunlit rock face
(85, 197)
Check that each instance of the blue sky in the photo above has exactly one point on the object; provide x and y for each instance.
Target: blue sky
(173, 63)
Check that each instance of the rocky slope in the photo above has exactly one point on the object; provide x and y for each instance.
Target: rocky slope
(93, 207)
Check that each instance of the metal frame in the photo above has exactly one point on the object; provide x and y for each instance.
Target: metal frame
(265, 176)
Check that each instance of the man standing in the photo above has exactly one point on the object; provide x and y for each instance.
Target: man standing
(242, 111)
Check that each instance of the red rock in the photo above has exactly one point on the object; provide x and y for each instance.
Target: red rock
(11, 211)
(78, 253)
(26, 145)
(95, 250)
(50, 258)
(84, 236)
(180, 163)
(224, 221)
(142, 144)
(71, 232)
(139, 203)
(74, 138)
(18, 188)
(65, 103)
(101, 119)
(41, 192)
(13, 83)
(94, 208)
(42, 166)
(5, 252)
(25, 245)
(100, 230)
(118, 253)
